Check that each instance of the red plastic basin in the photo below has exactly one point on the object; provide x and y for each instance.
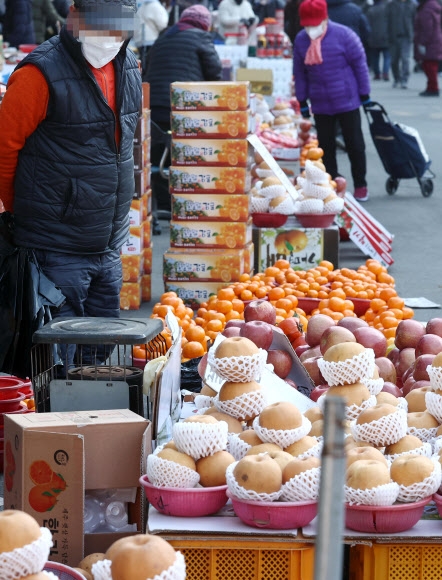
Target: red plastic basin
(185, 502)
(20, 411)
(318, 220)
(9, 405)
(10, 387)
(392, 519)
(269, 220)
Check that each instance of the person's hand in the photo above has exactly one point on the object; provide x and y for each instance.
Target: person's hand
(421, 50)
(366, 101)
(304, 109)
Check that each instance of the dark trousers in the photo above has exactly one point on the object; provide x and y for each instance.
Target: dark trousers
(350, 123)
(430, 68)
(400, 51)
(375, 61)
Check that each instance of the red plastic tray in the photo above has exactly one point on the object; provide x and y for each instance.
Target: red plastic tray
(312, 220)
(392, 519)
(269, 220)
(308, 304)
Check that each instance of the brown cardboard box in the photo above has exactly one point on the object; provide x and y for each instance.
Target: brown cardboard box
(219, 207)
(203, 265)
(130, 295)
(146, 96)
(261, 80)
(193, 234)
(87, 450)
(209, 96)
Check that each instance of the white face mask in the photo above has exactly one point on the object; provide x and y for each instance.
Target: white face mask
(99, 50)
(315, 31)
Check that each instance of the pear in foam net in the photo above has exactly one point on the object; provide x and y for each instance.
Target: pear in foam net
(249, 436)
(17, 529)
(354, 394)
(212, 469)
(301, 446)
(281, 415)
(298, 466)
(409, 469)
(249, 474)
(235, 346)
(89, 560)
(366, 452)
(177, 457)
(367, 474)
(407, 444)
(234, 426)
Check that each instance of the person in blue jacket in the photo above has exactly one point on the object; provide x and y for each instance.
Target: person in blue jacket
(330, 71)
(18, 27)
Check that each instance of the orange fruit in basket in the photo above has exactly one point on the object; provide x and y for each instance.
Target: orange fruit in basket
(226, 294)
(195, 334)
(192, 349)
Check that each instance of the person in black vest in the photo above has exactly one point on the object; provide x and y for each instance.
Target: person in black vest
(67, 123)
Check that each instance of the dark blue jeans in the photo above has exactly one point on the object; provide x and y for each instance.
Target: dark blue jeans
(375, 61)
(400, 51)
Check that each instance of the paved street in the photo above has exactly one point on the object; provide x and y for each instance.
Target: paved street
(414, 221)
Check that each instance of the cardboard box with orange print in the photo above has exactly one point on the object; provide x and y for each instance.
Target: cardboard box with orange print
(142, 154)
(195, 234)
(212, 124)
(147, 232)
(249, 256)
(142, 130)
(217, 207)
(210, 96)
(203, 265)
(140, 183)
(130, 295)
(146, 288)
(212, 152)
(132, 267)
(140, 208)
(209, 180)
(195, 293)
(135, 243)
(57, 457)
(147, 260)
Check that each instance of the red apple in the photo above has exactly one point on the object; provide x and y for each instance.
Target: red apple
(260, 310)
(408, 333)
(305, 125)
(261, 333)
(335, 335)
(341, 184)
(291, 383)
(419, 384)
(408, 373)
(404, 361)
(202, 366)
(434, 326)
(429, 344)
(386, 369)
(420, 372)
(281, 361)
(408, 385)
(303, 136)
(301, 349)
(231, 331)
(393, 355)
(310, 353)
(316, 326)
(372, 338)
(392, 389)
(317, 392)
(311, 366)
(237, 323)
(351, 323)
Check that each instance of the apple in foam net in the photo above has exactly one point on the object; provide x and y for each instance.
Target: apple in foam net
(281, 361)
(261, 333)
(260, 310)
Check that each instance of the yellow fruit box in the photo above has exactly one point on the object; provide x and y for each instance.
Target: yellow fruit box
(209, 180)
(146, 288)
(130, 296)
(203, 265)
(212, 124)
(147, 260)
(140, 208)
(212, 152)
(195, 234)
(132, 267)
(217, 207)
(140, 237)
(210, 96)
(195, 293)
(249, 256)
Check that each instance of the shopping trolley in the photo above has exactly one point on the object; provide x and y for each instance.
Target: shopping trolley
(401, 151)
(82, 364)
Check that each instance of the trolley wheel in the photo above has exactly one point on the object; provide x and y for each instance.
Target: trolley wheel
(427, 187)
(391, 185)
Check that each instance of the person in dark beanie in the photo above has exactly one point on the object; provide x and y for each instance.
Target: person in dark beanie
(18, 27)
(428, 43)
(400, 26)
(331, 72)
(67, 124)
(349, 14)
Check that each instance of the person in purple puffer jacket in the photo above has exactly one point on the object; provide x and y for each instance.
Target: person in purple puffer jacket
(330, 70)
(428, 43)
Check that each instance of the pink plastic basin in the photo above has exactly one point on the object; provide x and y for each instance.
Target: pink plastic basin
(275, 515)
(384, 519)
(185, 502)
(21, 410)
(10, 387)
(437, 497)
(312, 220)
(63, 572)
(269, 220)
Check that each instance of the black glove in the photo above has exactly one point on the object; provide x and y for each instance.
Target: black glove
(366, 102)
(305, 109)
(251, 22)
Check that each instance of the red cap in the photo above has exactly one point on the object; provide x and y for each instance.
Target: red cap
(312, 12)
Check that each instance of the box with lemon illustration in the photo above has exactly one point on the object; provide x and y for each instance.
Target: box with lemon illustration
(216, 207)
(212, 124)
(210, 96)
(210, 234)
(212, 152)
(204, 265)
(209, 180)
(194, 294)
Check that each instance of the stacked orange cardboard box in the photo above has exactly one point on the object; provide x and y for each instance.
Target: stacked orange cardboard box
(210, 181)
(136, 254)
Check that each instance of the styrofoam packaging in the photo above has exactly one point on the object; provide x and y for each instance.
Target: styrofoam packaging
(236, 446)
(334, 205)
(352, 411)
(310, 205)
(423, 434)
(244, 406)
(382, 495)
(282, 437)
(435, 374)
(164, 473)
(317, 191)
(302, 487)
(30, 559)
(425, 488)
(426, 450)
(433, 401)
(200, 439)
(242, 493)
(385, 431)
(239, 368)
(373, 385)
(348, 371)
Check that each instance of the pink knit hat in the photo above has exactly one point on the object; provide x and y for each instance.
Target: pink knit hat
(312, 12)
(198, 16)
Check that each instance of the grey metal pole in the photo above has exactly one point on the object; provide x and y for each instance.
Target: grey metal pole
(329, 547)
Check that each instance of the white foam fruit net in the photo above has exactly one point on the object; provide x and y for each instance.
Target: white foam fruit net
(425, 450)
(435, 374)
(436, 444)
(203, 402)
(302, 487)
(314, 451)
(259, 204)
(334, 205)
(351, 411)
(244, 407)
(102, 570)
(402, 404)
(282, 437)
(164, 473)
(29, 559)
(348, 371)
(286, 207)
(310, 205)
(385, 431)
(236, 446)
(382, 495)
(282, 112)
(314, 173)
(239, 369)
(301, 181)
(373, 385)
(317, 191)
(272, 191)
(423, 434)
(263, 173)
(425, 488)
(433, 402)
(242, 493)
(200, 439)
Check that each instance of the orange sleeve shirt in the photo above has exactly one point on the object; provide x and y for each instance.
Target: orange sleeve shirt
(24, 107)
